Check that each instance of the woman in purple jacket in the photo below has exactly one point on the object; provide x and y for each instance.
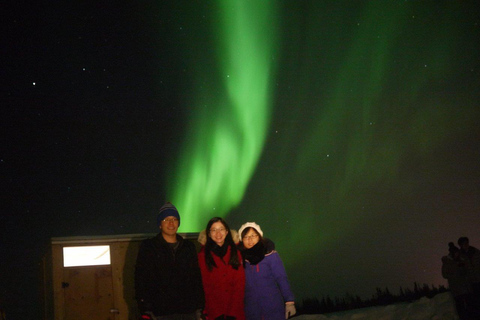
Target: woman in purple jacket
(267, 291)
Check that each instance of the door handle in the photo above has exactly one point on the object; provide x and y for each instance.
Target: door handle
(114, 311)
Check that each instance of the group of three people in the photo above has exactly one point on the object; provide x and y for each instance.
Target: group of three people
(230, 278)
(461, 267)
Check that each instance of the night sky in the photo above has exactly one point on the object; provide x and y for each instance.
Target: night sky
(349, 130)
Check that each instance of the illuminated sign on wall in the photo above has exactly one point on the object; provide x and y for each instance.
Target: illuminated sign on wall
(86, 256)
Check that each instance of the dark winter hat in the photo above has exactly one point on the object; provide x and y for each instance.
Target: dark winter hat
(452, 248)
(462, 240)
(167, 210)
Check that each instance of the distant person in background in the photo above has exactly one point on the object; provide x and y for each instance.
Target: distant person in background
(202, 237)
(472, 254)
(168, 283)
(267, 290)
(222, 271)
(454, 269)
(235, 237)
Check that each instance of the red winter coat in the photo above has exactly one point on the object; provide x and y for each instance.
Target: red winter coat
(224, 287)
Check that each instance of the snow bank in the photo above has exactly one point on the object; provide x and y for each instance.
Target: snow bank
(440, 307)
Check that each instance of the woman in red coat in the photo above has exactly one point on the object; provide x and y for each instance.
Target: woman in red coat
(223, 275)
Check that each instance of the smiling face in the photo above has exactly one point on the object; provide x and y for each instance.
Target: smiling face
(169, 226)
(251, 238)
(218, 232)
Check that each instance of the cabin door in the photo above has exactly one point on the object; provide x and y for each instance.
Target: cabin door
(87, 283)
(88, 293)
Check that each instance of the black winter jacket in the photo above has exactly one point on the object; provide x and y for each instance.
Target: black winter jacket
(168, 282)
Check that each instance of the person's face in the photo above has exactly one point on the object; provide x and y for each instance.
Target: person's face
(218, 233)
(465, 245)
(251, 238)
(169, 226)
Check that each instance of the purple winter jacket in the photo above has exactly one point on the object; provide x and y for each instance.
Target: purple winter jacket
(266, 289)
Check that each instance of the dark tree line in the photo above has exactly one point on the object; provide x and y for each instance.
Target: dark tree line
(382, 297)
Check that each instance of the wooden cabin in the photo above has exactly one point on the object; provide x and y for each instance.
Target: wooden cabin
(93, 277)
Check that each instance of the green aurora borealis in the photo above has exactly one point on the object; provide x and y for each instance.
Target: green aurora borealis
(231, 119)
(333, 124)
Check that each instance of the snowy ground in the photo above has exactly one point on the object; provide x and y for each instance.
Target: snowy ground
(440, 307)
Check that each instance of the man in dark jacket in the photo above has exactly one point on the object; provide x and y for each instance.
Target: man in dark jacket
(473, 255)
(168, 283)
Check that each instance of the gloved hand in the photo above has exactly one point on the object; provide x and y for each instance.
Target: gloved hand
(148, 315)
(199, 314)
(290, 309)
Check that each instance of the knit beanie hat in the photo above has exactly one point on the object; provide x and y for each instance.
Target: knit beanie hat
(167, 210)
(249, 224)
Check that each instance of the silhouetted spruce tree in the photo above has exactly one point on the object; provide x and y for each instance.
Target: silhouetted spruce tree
(381, 297)
(310, 306)
(329, 304)
(401, 296)
(409, 294)
(416, 291)
(425, 290)
(323, 305)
